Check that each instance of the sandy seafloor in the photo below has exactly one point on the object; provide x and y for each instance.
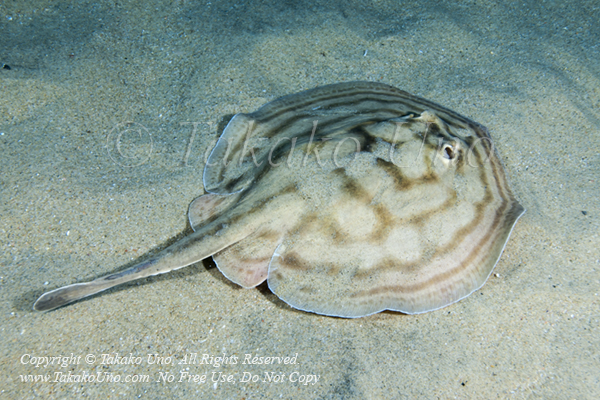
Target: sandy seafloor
(74, 208)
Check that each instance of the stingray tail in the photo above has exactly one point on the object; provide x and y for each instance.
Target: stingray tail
(71, 293)
(187, 251)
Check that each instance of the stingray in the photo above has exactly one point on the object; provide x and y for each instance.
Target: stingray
(348, 199)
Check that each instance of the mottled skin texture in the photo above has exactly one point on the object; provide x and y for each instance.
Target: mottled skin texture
(414, 220)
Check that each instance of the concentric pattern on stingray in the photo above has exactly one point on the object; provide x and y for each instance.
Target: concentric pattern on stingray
(349, 199)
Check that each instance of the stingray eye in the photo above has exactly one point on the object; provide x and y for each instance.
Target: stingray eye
(448, 152)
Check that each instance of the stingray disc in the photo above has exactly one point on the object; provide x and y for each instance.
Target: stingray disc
(349, 199)
(415, 219)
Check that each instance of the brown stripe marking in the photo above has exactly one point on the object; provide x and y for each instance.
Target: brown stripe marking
(501, 215)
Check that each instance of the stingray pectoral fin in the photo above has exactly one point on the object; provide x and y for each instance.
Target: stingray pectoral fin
(355, 278)
(223, 173)
(309, 276)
